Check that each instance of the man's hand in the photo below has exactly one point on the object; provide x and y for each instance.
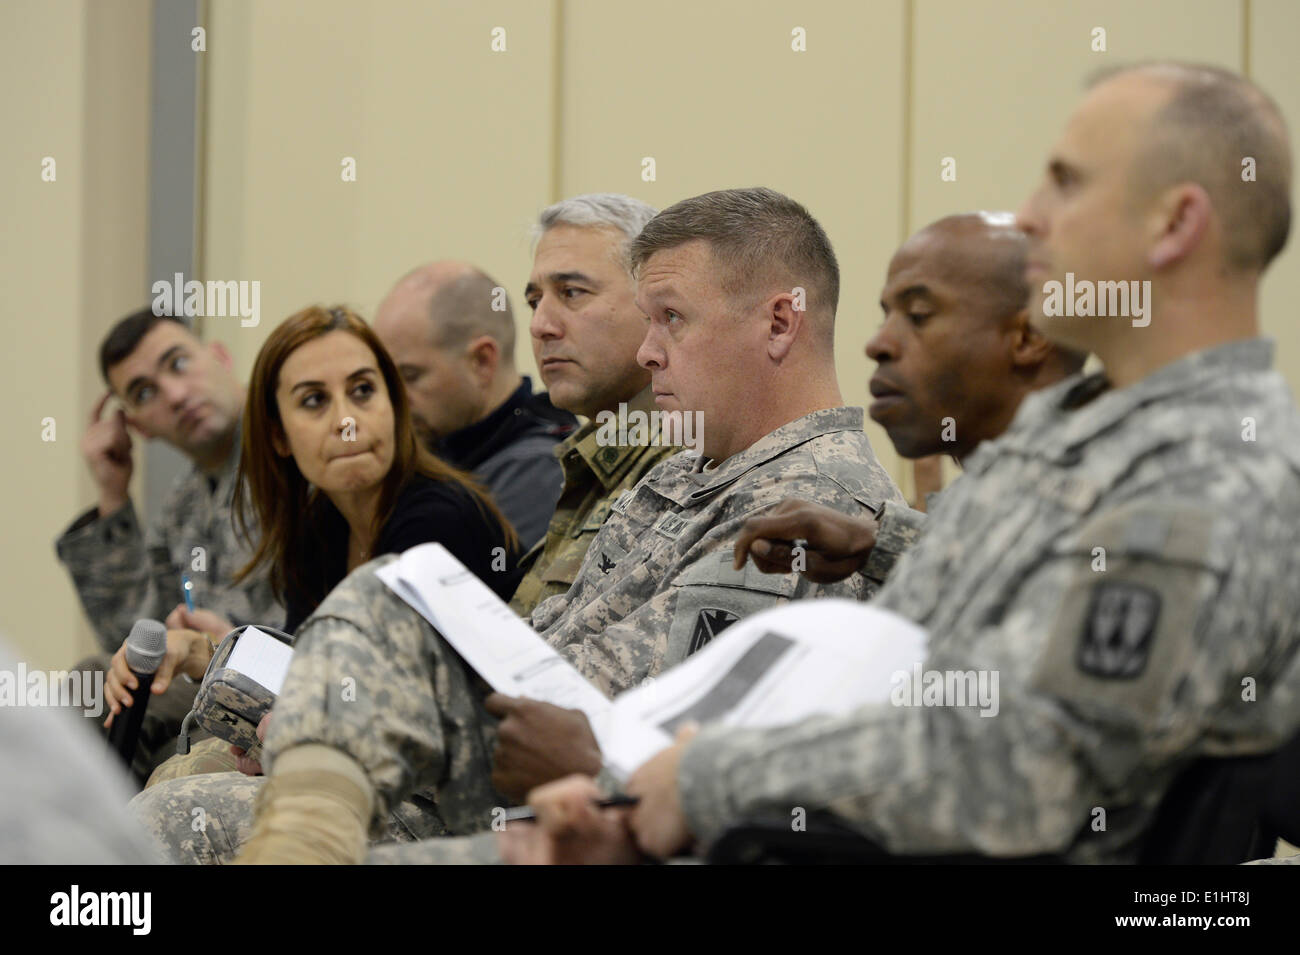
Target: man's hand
(251, 767)
(836, 545)
(187, 651)
(538, 743)
(106, 446)
(658, 823)
(204, 621)
(570, 829)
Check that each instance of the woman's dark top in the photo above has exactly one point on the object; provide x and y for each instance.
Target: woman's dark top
(427, 511)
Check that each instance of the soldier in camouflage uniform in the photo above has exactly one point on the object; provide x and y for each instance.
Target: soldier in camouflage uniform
(185, 393)
(1153, 649)
(418, 719)
(594, 477)
(955, 356)
(583, 236)
(1124, 557)
(585, 331)
(966, 274)
(656, 584)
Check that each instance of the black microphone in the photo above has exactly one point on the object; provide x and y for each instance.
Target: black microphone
(145, 648)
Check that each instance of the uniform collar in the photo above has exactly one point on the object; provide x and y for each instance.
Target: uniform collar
(610, 463)
(1056, 422)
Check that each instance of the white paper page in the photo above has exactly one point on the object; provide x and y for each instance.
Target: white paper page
(774, 668)
(262, 658)
(500, 647)
(778, 667)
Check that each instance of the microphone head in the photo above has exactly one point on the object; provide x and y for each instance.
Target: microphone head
(146, 646)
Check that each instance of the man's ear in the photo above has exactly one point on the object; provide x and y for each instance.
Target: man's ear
(785, 324)
(1029, 347)
(484, 355)
(1181, 219)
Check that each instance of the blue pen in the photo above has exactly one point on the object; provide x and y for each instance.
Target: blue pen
(186, 587)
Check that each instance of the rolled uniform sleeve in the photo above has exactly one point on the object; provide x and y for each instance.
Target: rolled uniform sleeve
(897, 528)
(1110, 681)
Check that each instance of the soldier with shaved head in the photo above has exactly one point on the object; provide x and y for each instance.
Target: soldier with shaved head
(955, 351)
(1124, 556)
(955, 355)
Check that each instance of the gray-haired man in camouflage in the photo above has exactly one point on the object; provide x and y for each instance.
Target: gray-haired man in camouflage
(1124, 556)
(740, 289)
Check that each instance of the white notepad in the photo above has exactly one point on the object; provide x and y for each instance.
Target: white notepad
(261, 658)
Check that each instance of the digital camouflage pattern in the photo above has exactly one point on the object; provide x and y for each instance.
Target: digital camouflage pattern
(230, 707)
(1126, 561)
(205, 819)
(230, 704)
(658, 584)
(897, 529)
(122, 575)
(211, 755)
(372, 678)
(478, 849)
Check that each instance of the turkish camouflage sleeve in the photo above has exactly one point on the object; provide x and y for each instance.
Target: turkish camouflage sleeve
(120, 574)
(1082, 722)
(897, 528)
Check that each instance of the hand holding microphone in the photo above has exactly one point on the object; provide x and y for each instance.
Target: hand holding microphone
(142, 652)
(187, 651)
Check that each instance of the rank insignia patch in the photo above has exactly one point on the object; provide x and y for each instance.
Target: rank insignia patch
(708, 625)
(1119, 630)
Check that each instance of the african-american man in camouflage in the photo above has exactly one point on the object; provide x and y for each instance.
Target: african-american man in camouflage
(1124, 556)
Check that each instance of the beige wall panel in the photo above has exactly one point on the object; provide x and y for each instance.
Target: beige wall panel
(451, 141)
(456, 149)
(715, 94)
(995, 81)
(1274, 27)
(73, 254)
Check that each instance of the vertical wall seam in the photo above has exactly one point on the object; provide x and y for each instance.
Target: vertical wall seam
(905, 206)
(199, 264)
(557, 100)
